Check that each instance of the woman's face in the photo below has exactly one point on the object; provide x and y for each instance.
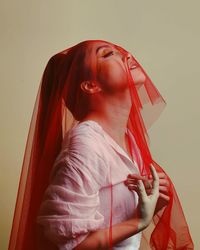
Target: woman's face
(112, 66)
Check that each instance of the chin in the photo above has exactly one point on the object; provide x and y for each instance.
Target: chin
(138, 77)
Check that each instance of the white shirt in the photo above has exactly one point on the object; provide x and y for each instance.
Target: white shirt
(78, 198)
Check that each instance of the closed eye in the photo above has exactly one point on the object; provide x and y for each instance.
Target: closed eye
(108, 54)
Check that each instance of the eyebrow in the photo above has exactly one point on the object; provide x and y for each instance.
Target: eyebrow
(103, 46)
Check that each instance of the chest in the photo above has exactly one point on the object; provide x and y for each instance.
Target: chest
(120, 200)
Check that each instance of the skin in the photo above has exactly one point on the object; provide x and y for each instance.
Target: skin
(163, 200)
(147, 203)
(111, 96)
(108, 98)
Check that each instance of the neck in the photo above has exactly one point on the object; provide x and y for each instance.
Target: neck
(113, 116)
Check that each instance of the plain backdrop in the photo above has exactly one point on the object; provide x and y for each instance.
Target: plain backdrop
(163, 35)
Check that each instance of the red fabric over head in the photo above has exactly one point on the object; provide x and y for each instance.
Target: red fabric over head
(60, 104)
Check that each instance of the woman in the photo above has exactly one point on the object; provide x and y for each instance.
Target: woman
(91, 117)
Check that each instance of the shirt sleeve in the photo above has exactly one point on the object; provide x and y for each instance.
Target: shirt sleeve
(69, 210)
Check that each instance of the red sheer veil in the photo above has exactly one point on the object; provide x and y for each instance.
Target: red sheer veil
(57, 109)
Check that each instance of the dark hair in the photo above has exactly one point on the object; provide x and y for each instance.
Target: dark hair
(76, 67)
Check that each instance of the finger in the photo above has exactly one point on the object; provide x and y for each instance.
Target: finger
(133, 176)
(132, 187)
(155, 188)
(163, 189)
(136, 177)
(164, 182)
(141, 190)
(131, 181)
(164, 197)
(160, 174)
(147, 184)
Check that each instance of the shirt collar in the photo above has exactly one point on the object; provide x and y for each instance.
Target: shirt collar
(113, 143)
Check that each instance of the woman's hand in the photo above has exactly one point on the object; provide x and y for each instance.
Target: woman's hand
(164, 196)
(147, 201)
(164, 184)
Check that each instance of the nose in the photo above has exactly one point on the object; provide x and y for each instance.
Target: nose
(124, 56)
(127, 58)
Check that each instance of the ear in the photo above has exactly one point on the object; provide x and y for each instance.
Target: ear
(90, 87)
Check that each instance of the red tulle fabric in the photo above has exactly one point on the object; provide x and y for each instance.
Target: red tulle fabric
(52, 117)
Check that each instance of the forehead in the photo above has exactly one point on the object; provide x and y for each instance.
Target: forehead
(97, 45)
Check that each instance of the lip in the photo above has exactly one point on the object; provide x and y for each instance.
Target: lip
(133, 67)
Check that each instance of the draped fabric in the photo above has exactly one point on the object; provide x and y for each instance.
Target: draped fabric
(58, 108)
(73, 206)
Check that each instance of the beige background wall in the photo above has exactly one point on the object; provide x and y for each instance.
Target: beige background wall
(163, 35)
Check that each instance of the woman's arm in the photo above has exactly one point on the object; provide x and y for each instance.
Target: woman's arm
(100, 239)
(147, 203)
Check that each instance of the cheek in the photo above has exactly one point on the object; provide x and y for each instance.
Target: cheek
(112, 76)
